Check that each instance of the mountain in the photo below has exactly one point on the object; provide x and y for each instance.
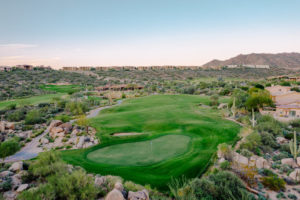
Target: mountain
(282, 60)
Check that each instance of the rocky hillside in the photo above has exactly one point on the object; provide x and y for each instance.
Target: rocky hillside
(282, 60)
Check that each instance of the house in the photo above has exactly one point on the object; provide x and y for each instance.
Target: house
(5, 68)
(25, 67)
(287, 102)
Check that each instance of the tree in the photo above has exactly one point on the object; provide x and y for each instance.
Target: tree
(83, 121)
(258, 99)
(8, 148)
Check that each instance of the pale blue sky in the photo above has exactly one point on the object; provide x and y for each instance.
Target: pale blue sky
(140, 32)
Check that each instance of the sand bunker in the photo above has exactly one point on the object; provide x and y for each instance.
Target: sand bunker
(126, 134)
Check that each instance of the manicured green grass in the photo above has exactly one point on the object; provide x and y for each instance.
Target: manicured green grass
(31, 100)
(62, 88)
(160, 118)
(142, 153)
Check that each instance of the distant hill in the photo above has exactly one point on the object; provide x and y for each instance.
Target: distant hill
(282, 60)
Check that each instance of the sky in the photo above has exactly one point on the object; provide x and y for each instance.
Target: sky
(144, 32)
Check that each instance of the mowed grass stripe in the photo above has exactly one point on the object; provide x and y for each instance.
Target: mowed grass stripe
(156, 116)
(142, 153)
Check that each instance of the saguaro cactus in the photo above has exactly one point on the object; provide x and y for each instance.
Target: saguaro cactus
(233, 108)
(293, 147)
(253, 118)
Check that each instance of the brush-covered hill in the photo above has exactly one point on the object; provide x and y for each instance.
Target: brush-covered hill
(282, 60)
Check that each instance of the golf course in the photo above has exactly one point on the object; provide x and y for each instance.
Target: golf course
(173, 136)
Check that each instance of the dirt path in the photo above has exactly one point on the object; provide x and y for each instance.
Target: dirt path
(31, 149)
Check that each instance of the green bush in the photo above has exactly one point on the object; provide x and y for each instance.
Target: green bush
(225, 165)
(63, 118)
(9, 147)
(34, 117)
(17, 115)
(273, 182)
(222, 186)
(252, 142)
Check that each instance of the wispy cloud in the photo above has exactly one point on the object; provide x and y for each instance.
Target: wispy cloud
(17, 46)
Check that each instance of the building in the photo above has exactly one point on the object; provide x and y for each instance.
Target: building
(5, 68)
(287, 102)
(25, 67)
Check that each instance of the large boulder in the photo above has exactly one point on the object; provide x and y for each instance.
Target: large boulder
(22, 187)
(100, 180)
(139, 195)
(54, 123)
(2, 127)
(298, 161)
(10, 195)
(58, 142)
(55, 131)
(114, 195)
(5, 174)
(67, 127)
(289, 161)
(295, 175)
(16, 180)
(119, 186)
(44, 141)
(10, 125)
(25, 134)
(239, 159)
(80, 143)
(281, 140)
(75, 132)
(16, 166)
(259, 162)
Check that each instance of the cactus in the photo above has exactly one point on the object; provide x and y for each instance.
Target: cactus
(253, 118)
(293, 147)
(233, 108)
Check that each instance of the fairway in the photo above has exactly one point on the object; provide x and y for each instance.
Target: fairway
(184, 138)
(142, 153)
(31, 100)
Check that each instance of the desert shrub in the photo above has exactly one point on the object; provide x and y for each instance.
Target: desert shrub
(76, 107)
(252, 142)
(131, 186)
(247, 173)
(246, 153)
(77, 185)
(273, 182)
(17, 115)
(214, 100)
(9, 147)
(268, 124)
(280, 156)
(222, 186)
(181, 189)
(44, 191)
(226, 151)
(12, 106)
(34, 117)
(63, 118)
(268, 140)
(292, 196)
(266, 172)
(225, 165)
(6, 184)
(48, 163)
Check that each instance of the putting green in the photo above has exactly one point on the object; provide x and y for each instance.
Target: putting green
(142, 153)
(184, 138)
